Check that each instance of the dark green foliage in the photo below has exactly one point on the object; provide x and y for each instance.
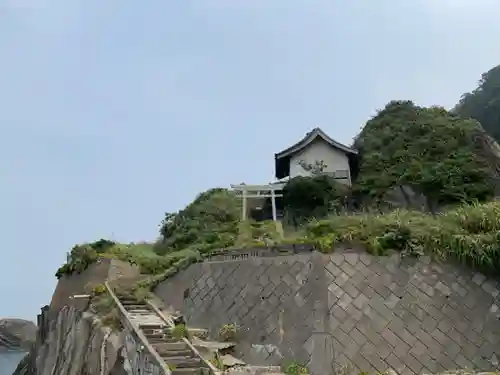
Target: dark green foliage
(483, 104)
(428, 149)
(82, 256)
(176, 262)
(209, 222)
(102, 245)
(157, 264)
(316, 196)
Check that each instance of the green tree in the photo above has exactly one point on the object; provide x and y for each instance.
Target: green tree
(483, 104)
(429, 149)
(210, 221)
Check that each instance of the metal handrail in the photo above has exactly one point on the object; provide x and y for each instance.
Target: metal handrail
(138, 332)
(214, 370)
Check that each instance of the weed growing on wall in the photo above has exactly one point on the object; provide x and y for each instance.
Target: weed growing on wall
(180, 331)
(228, 332)
(295, 368)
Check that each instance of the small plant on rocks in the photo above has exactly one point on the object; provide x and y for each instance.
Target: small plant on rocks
(180, 331)
(217, 361)
(295, 368)
(228, 332)
(99, 289)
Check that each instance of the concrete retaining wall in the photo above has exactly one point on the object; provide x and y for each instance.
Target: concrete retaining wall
(369, 313)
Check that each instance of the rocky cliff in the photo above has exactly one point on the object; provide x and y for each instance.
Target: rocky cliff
(71, 339)
(17, 334)
(71, 342)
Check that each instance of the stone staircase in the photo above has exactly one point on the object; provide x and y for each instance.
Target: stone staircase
(174, 351)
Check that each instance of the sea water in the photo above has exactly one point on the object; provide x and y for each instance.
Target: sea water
(9, 361)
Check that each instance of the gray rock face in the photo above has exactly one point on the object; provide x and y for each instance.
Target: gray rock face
(17, 334)
(73, 343)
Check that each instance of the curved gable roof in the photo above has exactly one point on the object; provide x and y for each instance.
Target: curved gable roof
(308, 139)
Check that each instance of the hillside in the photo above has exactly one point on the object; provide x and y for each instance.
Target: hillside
(447, 159)
(483, 103)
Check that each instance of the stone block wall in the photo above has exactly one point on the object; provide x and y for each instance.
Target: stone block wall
(369, 313)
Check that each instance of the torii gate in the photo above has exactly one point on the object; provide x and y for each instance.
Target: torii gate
(259, 191)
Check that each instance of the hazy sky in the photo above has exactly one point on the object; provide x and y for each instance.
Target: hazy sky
(114, 112)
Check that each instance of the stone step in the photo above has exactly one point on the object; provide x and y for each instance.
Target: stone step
(152, 336)
(160, 340)
(145, 321)
(151, 331)
(152, 326)
(140, 312)
(186, 371)
(155, 334)
(198, 332)
(174, 353)
(127, 301)
(146, 317)
(143, 314)
(137, 307)
(170, 346)
(182, 362)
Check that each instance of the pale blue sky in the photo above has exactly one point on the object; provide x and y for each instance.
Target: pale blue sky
(114, 112)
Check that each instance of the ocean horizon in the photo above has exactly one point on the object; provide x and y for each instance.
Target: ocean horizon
(9, 360)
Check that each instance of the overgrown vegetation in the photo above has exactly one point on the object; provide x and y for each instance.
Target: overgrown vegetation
(209, 222)
(257, 234)
(469, 234)
(429, 149)
(81, 256)
(313, 197)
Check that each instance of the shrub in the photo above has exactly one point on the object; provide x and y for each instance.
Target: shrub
(316, 196)
(177, 262)
(257, 234)
(209, 222)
